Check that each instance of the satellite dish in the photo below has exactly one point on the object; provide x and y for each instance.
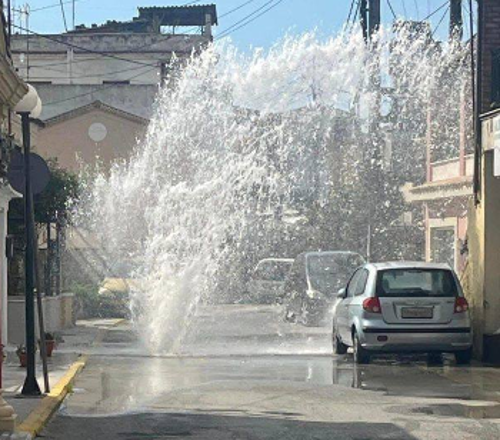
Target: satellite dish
(40, 173)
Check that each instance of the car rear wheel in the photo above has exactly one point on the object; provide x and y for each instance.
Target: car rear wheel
(338, 346)
(361, 356)
(310, 319)
(463, 357)
(289, 316)
(434, 358)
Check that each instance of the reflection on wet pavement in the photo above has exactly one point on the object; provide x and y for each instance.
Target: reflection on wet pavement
(123, 384)
(233, 355)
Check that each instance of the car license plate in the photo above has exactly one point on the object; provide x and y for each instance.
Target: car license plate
(416, 312)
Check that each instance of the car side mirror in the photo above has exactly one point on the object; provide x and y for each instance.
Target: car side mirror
(341, 294)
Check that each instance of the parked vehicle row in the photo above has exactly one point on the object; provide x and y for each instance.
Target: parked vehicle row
(376, 308)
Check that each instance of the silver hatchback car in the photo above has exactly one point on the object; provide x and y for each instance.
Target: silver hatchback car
(402, 307)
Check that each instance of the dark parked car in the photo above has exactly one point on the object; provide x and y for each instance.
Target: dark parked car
(312, 283)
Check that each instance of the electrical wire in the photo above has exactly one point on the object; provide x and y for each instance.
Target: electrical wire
(236, 8)
(55, 5)
(436, 11)
(83, 49)
(271, 4)
(104, 87)
(440, 21)
(356, 12)
(91, 75)
(417, 8)
(392, 9)
(166, 37)
(351, 9)
(63, 15)
(404, 8)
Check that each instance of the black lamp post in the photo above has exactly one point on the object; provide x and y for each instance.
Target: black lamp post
(30, 105)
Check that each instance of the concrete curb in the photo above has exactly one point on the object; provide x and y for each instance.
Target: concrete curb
(41, 415)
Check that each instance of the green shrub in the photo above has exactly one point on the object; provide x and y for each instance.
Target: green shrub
(90, 304)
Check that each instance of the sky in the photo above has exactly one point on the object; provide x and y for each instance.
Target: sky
(287, 16)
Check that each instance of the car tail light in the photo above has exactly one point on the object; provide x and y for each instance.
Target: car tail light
(461, 305)
(372, 305)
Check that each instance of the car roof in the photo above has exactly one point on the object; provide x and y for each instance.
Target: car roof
(408, 265)
(330, 253)
(285, 260)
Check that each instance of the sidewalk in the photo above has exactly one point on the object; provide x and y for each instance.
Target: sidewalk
(77, 341)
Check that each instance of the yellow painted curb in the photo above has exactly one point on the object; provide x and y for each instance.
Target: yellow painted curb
(39, 417)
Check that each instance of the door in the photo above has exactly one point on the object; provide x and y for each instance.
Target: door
(295, 286)
(355, 307)
(416, 296)
(342, 315)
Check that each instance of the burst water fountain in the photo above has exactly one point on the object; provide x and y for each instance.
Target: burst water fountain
(269, 153)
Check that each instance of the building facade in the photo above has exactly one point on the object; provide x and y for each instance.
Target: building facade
(12, 89)
(117, 66)
(482, 274)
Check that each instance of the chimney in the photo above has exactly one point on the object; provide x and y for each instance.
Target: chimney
(489, 55)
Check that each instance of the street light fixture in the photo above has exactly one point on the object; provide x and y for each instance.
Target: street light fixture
(29, 106)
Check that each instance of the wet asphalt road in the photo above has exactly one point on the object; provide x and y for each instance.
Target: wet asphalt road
(242, 373)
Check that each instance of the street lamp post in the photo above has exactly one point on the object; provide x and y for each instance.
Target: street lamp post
(29, 106)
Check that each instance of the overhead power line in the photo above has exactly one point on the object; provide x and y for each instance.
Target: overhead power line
(351, 10)
(440, 21)
(63, 15)
(55, 5)
(83, 49)
(446, 3)
(391, 8)
(100, 89)
(250, 18)
(94, 75)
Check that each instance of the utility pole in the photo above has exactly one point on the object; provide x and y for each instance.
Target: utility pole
(374, 177)
(363, 18)
(456, 20)
(369, 18)
(374, 17)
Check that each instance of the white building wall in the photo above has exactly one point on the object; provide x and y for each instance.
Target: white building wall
(6, 194)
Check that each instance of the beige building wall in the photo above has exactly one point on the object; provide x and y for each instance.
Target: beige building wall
(482, 276)
(91, 137)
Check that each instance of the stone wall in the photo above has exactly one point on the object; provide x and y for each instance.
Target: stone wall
(58, 315)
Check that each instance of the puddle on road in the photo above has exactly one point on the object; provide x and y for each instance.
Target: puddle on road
(477, 412)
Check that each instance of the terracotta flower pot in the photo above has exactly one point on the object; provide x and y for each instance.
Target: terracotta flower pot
(49, 347)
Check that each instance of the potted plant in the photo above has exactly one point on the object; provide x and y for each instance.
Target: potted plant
(50, 343)
(21, 354)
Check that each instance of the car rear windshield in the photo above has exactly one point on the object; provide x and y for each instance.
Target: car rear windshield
(272, 270)
(330, 272)
(416, 283)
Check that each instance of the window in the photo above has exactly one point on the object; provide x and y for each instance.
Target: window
(360, 286)
(416, 283)
(351, 287)
(330, 272)
(443, 246)
(495, 78)
(272, 270)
